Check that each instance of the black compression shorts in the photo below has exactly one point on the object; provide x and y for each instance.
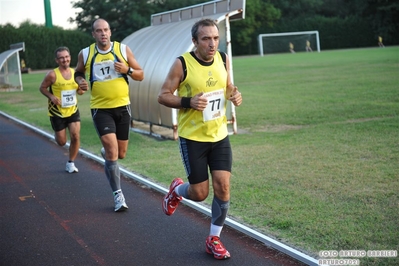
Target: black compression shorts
(197, 156)
(114, 120)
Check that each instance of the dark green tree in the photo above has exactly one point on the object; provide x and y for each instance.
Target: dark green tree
(384, 19)
(341, 23)
(297, 8)
(124, 16)
(244, 32)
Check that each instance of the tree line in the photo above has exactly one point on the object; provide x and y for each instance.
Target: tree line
(341, 24)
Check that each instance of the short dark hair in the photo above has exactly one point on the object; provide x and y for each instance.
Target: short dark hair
(60, 49)
(204, 23)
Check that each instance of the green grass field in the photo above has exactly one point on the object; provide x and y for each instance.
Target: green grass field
(316, 160)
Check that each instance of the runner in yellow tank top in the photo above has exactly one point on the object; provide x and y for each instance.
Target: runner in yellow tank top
(203, 86)
(110, 88)
(109, 65)
(211, 123)
(65, 90)
(60, 88)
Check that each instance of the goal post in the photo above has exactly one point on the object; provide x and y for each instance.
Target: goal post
(281, 42)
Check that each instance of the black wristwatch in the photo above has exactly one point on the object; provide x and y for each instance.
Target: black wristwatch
(130, 71)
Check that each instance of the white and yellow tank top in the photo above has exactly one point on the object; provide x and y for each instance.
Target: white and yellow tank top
(109, 89)
(209, 125)
(65, 90)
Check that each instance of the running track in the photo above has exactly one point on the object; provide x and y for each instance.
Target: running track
(50, 217)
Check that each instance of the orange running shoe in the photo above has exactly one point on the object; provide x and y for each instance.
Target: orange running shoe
(214, 246)
(171, 200)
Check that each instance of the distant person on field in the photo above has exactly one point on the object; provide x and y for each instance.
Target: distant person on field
(24, 69)
(380, 44)
(308, 48)
(60, 88)
(109, 65)
(292, 48)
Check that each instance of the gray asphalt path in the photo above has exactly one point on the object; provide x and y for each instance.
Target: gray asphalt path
(50, 217)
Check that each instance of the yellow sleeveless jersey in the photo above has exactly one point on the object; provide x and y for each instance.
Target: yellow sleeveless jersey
(65, 90)
(209, 125)
(109, 89)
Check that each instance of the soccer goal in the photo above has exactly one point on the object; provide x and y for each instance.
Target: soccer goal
(10, 68)
(289, 42)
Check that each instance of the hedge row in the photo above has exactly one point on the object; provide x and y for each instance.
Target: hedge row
(41, 42)
(334, 33)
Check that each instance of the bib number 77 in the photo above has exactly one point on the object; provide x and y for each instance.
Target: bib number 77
(215, 107)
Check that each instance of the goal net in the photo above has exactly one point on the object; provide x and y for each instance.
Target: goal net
(289, 42)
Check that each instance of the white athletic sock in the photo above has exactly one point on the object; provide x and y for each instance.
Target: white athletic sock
(215, 230)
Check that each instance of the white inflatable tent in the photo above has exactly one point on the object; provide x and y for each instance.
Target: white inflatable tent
(156, 47)
(10, 68)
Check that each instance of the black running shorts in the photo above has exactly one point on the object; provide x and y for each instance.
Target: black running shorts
(197, 156)
(114, 120)
(60, 123)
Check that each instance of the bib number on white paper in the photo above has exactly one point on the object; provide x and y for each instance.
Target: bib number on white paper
(68, 98)
(104, 71)
(215, 107)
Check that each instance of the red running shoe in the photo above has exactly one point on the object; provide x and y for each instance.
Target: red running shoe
(171, 200)
(215, 247)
